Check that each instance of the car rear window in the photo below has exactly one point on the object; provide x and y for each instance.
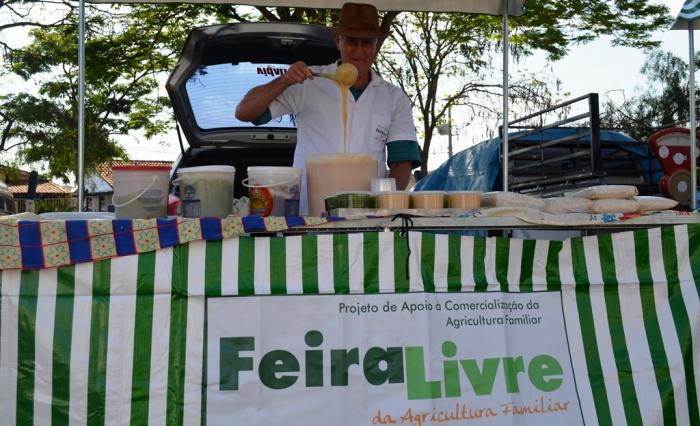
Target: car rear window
(215, 90)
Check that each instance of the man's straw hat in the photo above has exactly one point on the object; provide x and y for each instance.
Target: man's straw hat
(358, 20)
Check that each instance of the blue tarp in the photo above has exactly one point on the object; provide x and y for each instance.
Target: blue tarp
(477, 168)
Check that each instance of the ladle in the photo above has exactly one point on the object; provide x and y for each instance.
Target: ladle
(345, 74)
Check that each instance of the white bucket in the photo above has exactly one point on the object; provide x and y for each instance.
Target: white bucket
(206, 191)
(273, 191)
(328, 174)
(140, 192)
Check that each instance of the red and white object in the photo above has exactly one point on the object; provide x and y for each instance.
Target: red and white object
(672, 147)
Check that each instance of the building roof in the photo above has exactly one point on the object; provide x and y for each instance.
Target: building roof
(104, 170)
(41, 188)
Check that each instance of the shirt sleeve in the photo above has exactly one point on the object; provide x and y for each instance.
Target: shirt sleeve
(289, 101)
(402, 125)
(264, 118)
(403, 150)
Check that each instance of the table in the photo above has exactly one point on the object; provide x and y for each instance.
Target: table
(344, 328)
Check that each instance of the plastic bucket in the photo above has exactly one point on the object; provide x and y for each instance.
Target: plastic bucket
(328, 174)
(273, 191)
(206, 191)
(140, 192)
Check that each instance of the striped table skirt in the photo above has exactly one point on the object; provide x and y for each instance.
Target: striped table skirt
(124, 340)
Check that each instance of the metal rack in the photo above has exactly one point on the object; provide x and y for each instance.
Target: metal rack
(540, 164)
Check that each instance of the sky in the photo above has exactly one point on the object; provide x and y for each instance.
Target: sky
(612, 72)
(596, 67)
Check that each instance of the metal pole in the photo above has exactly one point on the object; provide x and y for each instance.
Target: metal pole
(505, 95)
(594, 109)
(81, 103)
(693, 169)
(449, 137)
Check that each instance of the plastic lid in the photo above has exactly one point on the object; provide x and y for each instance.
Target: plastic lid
(428, 193)
(149, 168)
(358, 193)
(352, 194)
(380, 193)
(274, 169)
(200, 169)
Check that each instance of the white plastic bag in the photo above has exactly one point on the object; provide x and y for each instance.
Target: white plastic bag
(562, 205)
(511, 199)
(601, 192)
(648, 203)
(610, 205)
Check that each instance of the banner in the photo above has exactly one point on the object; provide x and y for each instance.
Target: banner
(134, 339)
(409, 359)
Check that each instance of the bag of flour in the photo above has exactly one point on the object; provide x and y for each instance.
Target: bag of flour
(610, 205)
(510, 199)
(607, 191)
(648, 203)
(563, 205)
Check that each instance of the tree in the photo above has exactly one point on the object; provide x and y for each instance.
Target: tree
(130, 48)
(124, 64)
(426, 50)
(663, 103)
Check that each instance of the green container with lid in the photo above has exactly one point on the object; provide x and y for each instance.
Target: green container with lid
(351, 200)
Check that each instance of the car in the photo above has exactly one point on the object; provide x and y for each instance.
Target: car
(217, 67)
(7, 201)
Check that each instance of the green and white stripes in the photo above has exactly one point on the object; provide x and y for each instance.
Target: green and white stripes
(688, 16)
(122, 340)
(690, 10)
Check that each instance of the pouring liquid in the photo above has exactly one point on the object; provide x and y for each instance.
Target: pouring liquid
(328, 174)
(345, 76)
(344, 90)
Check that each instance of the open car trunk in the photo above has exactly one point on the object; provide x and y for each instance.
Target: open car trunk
(217, 67)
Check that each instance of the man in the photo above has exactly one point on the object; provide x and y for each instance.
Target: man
(379, 114)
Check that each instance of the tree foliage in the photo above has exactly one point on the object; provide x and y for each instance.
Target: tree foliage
(444, 60)
(428, 56)
(664, 101)
(555, 25)
(129, 50)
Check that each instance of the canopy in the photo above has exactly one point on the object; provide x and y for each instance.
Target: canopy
(490, 7)
(688, 16)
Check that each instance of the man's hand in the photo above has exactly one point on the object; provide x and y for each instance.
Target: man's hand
(401, 171)
(297, 73)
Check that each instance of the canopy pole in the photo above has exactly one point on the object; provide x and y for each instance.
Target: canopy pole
(693, 148)
(505, 94)
(81, 104)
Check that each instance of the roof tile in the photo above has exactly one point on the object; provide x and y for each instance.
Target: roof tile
(42, 188)
(105, 169)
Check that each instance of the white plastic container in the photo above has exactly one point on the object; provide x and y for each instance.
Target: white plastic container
(463, 199)
(427, 199)
(206, 191)
(140, 192)
(384, 185)
(331, 173)
(273, 191)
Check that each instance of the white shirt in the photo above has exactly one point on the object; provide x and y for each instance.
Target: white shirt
(380, 115)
